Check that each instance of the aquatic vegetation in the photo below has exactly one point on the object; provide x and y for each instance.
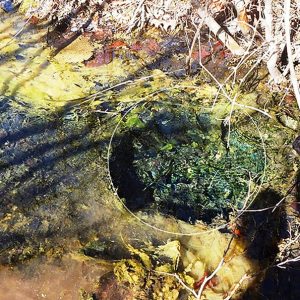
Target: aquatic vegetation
(181, 157)
(118, 147)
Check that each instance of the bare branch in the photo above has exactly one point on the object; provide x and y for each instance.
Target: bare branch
(223, 36)
(284, 263)
(293, 77)
(207, 279)
(273, 49)
(237, 286)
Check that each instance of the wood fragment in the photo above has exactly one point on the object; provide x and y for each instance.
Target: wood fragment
(223, 36)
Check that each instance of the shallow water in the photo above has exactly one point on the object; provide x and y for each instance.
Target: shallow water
(57, 200)
(62, 220)
(39, 279)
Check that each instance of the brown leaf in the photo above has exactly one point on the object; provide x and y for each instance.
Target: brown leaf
(137, 46)
(117, 44)
(243, 22)
(104, 57)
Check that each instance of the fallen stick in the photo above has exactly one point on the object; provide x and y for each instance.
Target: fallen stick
(219, 32)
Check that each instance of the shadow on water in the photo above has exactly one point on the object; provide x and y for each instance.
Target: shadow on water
(60, 36)
(264, 230)
(43, 160)
(281, 283)
(127, 182)
(168, 164)
(138, 195)
(40, 156)
(277, 284)
(56, 40)
(129, 185)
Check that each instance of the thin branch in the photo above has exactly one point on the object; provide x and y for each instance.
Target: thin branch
(192, 291)
(222, 35)
(273, 51)
(237, 286)
(282, 264)
(287, 19)
(207, 279)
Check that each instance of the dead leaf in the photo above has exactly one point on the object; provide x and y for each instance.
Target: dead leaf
(243, 22)
(117, 44)
(102, 58)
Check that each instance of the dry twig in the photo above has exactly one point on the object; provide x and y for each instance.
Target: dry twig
(287, 20)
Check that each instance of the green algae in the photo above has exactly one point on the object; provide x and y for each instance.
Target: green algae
(146, 271)
(175, 144)
(181, 156)
(183, 152)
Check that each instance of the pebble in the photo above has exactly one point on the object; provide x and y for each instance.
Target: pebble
(288, 122)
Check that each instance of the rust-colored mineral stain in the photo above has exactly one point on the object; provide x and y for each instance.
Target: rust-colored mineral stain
(49, 281)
